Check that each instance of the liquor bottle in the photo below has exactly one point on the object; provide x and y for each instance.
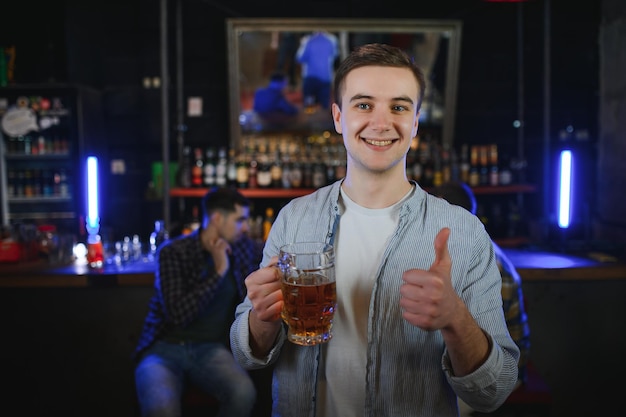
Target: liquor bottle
(194, 221)
(464, 166)
(483, 158)
(307, 173)
(29, 189)
(285, 180)
(37, 183)
(221, 168)
(184, 171)
(319, 174)
(264, 172)
(231, 169)
(330, 168)
(455, 169)
(56, 184)
(242, 171)
(209, 168)
(446, 164)
(11, 180)
(158, 236)
(136, 248)
(340, 163)
(295, 177)
(197, 169)
(474, 172)
(276, 170)
(253, 169)
(505, 176)
(426, 161)
(19, 183)
(64, 185)
(267, 222)
(437, 167)
(493, 162)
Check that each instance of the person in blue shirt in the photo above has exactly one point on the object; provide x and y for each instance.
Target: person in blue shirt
(419, 320)
(317, 54)
(271, 101)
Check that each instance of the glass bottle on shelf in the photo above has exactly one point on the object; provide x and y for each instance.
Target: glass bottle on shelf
(209, 168)
(295, 177)
(158, 236)
(193, 223)
(184, 171)
(483, 158)
(285, 179)
(264, 172)
(231, 169)
(221, 167)
(464, 166)
(276, 170)
(474, 172)
(493, 162)
(243, 172)
(268, 220)
(197, 170)
(253, 169)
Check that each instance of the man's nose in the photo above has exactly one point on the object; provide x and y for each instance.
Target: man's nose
(381, 119)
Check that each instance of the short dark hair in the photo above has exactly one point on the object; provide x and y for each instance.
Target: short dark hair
(223, 199)
(458, 193)
(278, 77)
(377, 54)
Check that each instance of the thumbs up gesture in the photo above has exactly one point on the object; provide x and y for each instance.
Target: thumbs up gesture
(427, 297)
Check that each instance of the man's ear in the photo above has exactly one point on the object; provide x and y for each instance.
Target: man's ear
(336, 111)
(216, 217)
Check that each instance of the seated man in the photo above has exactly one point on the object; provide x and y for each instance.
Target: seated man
(460, 194)
(270, 101)
(198, 283)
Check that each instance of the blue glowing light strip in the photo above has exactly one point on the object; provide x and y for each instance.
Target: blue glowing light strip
(92, 192)
(565, 189)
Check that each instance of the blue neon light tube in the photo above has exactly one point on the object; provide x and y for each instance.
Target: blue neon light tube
(565, 189)
(92, 193)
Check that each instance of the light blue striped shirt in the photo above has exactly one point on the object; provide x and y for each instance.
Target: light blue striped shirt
(408, 369)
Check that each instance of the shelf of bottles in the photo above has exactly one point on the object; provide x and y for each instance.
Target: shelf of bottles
(283, 167)
(39, 169)
(288, 166)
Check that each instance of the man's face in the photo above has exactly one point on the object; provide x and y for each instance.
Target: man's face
(379, 116)
(232, 225)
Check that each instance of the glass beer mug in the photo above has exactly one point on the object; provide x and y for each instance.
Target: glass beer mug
(309, 291)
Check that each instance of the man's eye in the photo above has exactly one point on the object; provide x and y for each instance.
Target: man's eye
(399, 108)
(363, 106)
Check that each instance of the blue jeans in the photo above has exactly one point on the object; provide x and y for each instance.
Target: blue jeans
(316, 91)
(165, 368)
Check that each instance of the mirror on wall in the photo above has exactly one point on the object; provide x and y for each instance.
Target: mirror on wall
(295, 59)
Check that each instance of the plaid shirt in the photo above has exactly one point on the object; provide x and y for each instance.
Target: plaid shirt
(186, 282)
(514, 311)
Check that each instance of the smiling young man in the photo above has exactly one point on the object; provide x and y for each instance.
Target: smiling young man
(419, 318)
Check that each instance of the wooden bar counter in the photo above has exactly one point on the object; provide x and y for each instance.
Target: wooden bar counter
(71, 332)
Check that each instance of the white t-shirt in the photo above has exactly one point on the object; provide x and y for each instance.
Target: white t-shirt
(359, 246)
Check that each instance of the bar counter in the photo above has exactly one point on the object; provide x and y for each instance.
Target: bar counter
(75, 329)
(531, 265)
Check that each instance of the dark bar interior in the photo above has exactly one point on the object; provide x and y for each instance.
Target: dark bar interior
(162, 94)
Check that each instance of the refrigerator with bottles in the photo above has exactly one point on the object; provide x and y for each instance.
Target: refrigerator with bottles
(46, 134)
